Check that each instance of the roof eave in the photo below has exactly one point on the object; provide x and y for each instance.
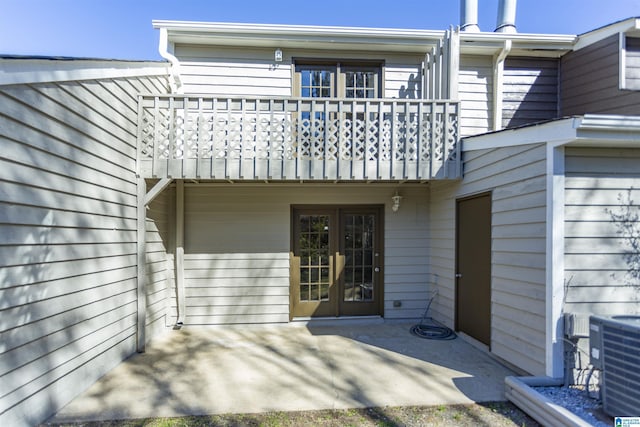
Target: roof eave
(319, 37)
(590, 130)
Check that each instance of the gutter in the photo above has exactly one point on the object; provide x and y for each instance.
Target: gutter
(498, 78)
(163, 48)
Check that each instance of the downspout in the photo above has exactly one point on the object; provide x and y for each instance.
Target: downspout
(498, 80)
(163, 48)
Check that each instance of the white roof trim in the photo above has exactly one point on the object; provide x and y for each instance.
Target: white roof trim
(409, 40)
(594, 36)
(541, 44)
(589, 130)
(43, 70)
(299, 36)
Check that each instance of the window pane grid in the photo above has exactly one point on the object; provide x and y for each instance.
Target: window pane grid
(314, 258)
(360, 84)
(359, 268)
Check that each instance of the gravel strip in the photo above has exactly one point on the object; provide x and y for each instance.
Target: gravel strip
(576, 401)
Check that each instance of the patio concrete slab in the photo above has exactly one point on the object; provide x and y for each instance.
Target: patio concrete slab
(198, 371)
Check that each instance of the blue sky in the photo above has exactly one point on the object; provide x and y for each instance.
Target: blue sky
(122, 29)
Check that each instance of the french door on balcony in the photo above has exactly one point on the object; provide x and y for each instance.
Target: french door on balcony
(336, 261)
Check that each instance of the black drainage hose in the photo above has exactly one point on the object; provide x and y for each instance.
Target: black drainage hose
(433, 332)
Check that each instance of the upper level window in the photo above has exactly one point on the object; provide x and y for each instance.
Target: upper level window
(630, 72)
(337, 80)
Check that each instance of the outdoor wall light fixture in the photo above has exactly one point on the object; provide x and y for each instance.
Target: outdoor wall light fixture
(396, 198)
(278, 55)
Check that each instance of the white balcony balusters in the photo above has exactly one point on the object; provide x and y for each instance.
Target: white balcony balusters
(298, 139)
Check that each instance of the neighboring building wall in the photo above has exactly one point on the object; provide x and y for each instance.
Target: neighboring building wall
(601, 273)
(516, 176)
(253, 72)
(237, 243)
(590, 81)
(476, 94)
(68, 226)
(530, 92)
(160, 262)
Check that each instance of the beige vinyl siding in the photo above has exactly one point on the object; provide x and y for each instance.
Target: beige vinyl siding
(590, 81)
(160, 269)
(632, 63)
(516, 177)
(253, 72)
(530, 91)
(597, 185)
(68, 226)
(442, 232)
(237, 243)
(475, 90)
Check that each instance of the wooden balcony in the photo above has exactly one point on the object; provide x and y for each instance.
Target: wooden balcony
(297, 139)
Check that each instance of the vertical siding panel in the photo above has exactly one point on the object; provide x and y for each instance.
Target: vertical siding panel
(67, 282)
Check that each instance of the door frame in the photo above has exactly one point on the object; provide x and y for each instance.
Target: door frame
(337, 264)
(489, 195)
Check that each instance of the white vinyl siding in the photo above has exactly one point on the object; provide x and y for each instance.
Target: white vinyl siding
(403, 79)
(516, 177)
(68, 255)
(597, 186)
(253, 72)
(475, 91)
(232, 72)
(237, 243)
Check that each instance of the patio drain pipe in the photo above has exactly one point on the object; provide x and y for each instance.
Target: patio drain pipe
(163, 48)
(498, 81)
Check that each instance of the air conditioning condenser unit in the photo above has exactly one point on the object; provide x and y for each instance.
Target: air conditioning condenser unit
(615, 349)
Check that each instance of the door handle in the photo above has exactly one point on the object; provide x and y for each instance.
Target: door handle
(377, 269)
(458, 275)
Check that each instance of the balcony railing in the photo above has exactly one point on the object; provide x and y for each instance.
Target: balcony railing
(297, 139)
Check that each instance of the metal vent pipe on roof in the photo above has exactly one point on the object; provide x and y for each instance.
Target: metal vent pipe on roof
(469, 16)
(506, 17)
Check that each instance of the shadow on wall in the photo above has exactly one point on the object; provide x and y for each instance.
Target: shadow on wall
(411, 89)
(530, 92)
(626, 219)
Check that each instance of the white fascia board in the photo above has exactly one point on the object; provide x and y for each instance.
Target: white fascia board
(594, 36)
(43, 70)
(588, 130)
(270, 35)
(558, 132)
(547, 45)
